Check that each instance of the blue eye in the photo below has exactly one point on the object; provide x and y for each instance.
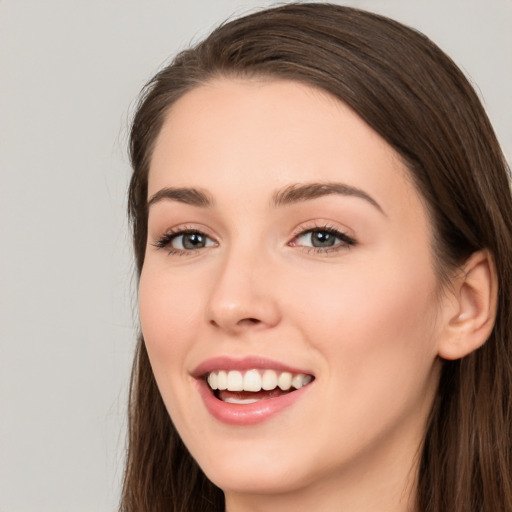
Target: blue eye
(320, 239)
(184, 241)
(323, 238)
(191, 241)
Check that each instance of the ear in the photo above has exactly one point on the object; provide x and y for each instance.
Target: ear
(472, 310)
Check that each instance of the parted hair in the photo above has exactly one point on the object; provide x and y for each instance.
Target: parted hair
(412, 94)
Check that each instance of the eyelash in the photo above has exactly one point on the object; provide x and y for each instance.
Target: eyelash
(166, 240)
(346, 241)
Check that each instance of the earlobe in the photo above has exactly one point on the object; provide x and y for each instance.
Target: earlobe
(473, 307)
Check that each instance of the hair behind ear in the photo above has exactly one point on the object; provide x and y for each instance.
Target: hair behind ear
(468, 443)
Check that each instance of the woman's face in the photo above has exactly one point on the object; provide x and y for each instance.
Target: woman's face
(285, 241)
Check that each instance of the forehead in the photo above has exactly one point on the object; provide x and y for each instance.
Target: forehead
(257, 135)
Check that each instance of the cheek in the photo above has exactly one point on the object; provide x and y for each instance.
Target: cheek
(376, 333)
(373, 320)
(168, 317)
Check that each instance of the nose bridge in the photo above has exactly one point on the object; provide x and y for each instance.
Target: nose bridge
(242, 295)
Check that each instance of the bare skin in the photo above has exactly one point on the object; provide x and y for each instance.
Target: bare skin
(338, 281)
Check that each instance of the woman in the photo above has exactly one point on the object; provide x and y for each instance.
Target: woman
(322, 228)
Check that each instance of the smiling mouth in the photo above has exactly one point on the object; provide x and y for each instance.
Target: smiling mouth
(239, 387)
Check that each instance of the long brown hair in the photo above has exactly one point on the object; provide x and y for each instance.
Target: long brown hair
(417, 99)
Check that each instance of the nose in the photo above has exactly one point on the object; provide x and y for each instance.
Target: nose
(243, 296)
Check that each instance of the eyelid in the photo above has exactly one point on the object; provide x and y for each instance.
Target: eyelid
(322, 225)
(346, 240)
(165, 240)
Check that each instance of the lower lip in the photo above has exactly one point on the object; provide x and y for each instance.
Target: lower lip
(247, 414)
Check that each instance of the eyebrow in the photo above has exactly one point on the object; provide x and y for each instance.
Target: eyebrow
(292, 194)
(308, 191)
(191, 196)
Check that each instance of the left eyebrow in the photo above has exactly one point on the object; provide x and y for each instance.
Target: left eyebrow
(305, 192)
(186, 195)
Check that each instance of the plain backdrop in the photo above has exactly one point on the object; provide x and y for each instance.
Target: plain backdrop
(69, 75)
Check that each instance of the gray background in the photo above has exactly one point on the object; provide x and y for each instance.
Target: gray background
(69, 74)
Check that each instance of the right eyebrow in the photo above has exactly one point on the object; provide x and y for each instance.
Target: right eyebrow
(299, 192)
(191, 196)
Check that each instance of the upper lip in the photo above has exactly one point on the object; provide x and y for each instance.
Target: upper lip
(243, 364)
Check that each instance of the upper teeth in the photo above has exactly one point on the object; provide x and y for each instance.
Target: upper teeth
(256, 380)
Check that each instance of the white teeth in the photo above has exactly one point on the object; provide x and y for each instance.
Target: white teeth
(252, 380)
(300, 380)
(235, 381)
(269, 380)
(256, 380)
(222, 380)
(212, 380)
(284, 381)
(245, 401)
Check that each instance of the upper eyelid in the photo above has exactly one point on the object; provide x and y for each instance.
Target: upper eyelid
(165, 239)
(344, 234)
(186, 228)
(341, 235)
(321, 225)
(333, 231)
(302, 229)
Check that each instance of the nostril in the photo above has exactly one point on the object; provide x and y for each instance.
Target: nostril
(249, 321)
(244, 322)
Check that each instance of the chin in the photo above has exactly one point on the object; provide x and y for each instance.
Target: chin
(256, 473)
(251, 480)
